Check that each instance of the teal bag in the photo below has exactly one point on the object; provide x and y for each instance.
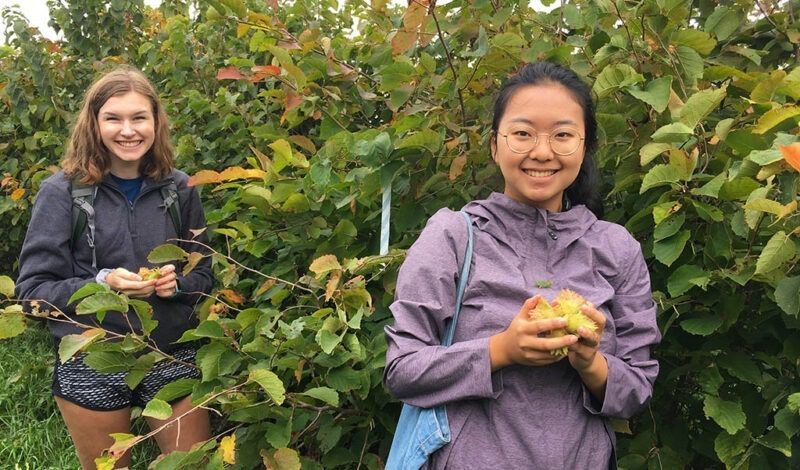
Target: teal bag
(422, 431)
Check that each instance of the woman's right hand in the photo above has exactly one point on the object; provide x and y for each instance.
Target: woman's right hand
(522, 343)
(130, 284)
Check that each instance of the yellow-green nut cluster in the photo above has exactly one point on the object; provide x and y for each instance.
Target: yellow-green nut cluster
(566, 304)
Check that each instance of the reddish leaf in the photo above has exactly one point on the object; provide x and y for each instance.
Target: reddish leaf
(17, 194)
(304, 143)
(791, 153)
(232, 296)
(457, 166)
(204, 177)
(236, 172)
(229, 73)
(403, 40)
(261, 72)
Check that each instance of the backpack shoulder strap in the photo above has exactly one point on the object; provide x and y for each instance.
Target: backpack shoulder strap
(172, 203)
(463, 275)
(82, 214)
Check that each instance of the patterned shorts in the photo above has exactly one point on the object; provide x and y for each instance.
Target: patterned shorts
(78, 383)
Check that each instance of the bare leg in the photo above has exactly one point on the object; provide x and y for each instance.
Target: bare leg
(90, 430)
(182, 434)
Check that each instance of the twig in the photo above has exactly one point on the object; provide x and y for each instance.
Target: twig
(248, 269)
(775, 25)
(630, 38)
(452, 67)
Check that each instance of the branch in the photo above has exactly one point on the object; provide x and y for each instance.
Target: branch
(452, 67)
(630, 38)
(775, 25)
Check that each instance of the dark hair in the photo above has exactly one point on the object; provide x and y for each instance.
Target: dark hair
(586, 187)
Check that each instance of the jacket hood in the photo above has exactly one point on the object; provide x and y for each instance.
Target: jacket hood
(513, 222)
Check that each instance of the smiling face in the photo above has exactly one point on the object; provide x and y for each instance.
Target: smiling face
(127, 129)
(540, 176)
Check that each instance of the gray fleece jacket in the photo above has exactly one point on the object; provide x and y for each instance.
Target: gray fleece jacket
(125, 234)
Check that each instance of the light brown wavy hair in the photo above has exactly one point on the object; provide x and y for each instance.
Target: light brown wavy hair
(87, 158)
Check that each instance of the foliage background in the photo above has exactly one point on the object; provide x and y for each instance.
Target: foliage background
(294, 115)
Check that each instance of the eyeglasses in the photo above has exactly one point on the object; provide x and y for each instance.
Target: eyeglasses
(563, 140)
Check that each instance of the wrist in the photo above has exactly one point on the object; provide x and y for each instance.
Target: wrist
(102, 276)
(498, 356)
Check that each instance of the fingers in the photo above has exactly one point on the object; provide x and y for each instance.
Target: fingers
(130, 284)
(530, 304)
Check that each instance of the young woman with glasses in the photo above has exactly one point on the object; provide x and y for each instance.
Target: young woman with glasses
(511, 402)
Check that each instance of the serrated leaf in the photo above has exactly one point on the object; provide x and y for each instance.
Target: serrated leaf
(282, 459)
(327, 340)
(787, 295)
(426, 138)
(685, 277)
(700, 105)
(712, 188)
(779, 249)
(613, 77)
(698, 40)
(109, 362)
(669, 226)
(727, 414)
(102, 302)
(655, 93)
(395, 75)
(158, 409)
(674, 132)
(776, 440)
(324, 394)
(661, 175)
(765, 157)
(729, 446)
(787, 421)
(144, 311)
(668, 250)
(268, 381)
(764, 205)
(691, 62)
(139, 370)
(71, 344)
(6, 287)
(722, 22)
(702, 326)
(11, 324)
(773, 117)
(87, 290)
(324, 264)
(166, 253)
(176, 389)
(649, 152)
(741, 366)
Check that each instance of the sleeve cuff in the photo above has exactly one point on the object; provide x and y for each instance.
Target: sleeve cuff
(101, 276)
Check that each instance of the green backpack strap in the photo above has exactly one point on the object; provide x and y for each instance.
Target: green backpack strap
(82, 214)
(172, 203)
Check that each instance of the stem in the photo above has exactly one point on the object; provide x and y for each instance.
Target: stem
(775, 25)
(628, 33)
(452, 67)
(246, 268)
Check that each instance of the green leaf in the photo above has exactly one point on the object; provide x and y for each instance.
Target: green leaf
(712, 188)
(691, 63)
(685, 277)
(344, 379)
(395, 75)
(327, 340)
(700, 105)
(774, 117)
(268, 381)
(279, 434)
(139, 370)
(324, 265)
(6, 287)
(661, 175)
(738, 188)
(177, 389)
(649, 152)
(324, 394)
(698, 40)
(614, 77)
(669, 226)
(71, 344)
(765, 157)
(765, 90)
(101, 303)
(237, 7)
(145, 313)
(166, 253)
(727, 414)
(209, 329)
(776, 440)
(787, 421)
(87, 290)
(779, 249)
(508, 40)
(793, 402)
(11, 324)
(722, 22)
(730, 446)
(675, 132)
(426, 138)
(741, 366)
(158, 409)
(787, 295)
(668, 250)
(708, 212)
(109, 362)
(702, 326)
(655, 93)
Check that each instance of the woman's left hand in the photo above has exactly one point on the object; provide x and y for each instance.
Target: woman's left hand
(167, 284)
(582, 353)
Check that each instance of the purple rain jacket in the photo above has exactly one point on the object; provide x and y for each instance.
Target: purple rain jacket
(520, 417)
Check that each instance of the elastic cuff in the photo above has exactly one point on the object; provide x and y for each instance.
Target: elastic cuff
(101, 276)
(177, 291)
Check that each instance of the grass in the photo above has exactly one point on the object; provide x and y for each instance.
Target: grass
(32, 434)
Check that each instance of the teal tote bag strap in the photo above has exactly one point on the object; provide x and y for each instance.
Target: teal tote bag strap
(463, 275)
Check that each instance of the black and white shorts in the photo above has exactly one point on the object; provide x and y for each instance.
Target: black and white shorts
(78, 383)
